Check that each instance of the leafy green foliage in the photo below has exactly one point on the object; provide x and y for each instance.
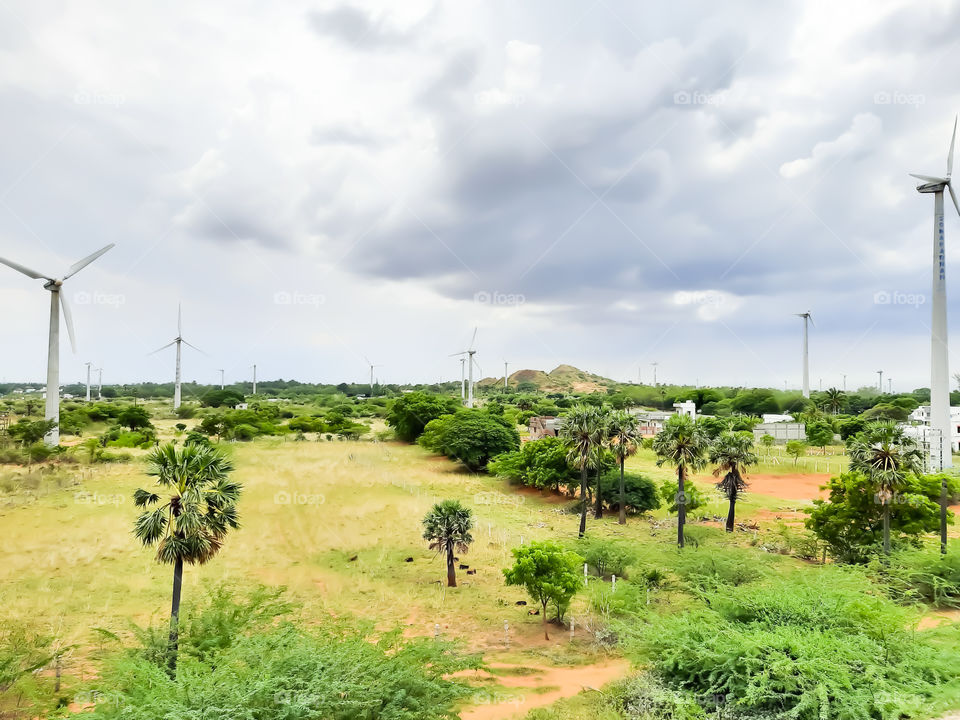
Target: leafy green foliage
(239, 663)
(640, 492)
(606, 557)
(550, 574)
(28, 432)
(850, 520)
(819, 433)
(922, 575)
(412, 412)
(134, 418)
(447, 528)
(470, 436)
(669, 491)
(796, 449)
(539, 463)
(810, 647)
(221, 398)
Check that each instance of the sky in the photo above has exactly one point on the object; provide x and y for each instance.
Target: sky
(606, 184)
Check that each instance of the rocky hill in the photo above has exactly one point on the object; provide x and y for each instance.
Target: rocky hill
(563, 378)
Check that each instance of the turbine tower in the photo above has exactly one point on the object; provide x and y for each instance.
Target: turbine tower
(807, 318)
(254, 378)
(54, 285)
(221, 377)
(469, 353)
(100, 383)
(463, 380)
(88, 364)
(940, 440)
(654, 364)
(506, 375)
(178, 340)
(371, 366)
(880, 382)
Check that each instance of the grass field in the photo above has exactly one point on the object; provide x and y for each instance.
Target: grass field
(335, 522)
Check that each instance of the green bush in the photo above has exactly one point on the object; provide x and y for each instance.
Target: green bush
(606, 557)
(640, 492)
(923, 575)
(713, 567)
(809, 647)
(669, 491)
(471, 436)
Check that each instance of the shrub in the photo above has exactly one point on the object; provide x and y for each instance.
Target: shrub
(539, 463)
(411, 413)
(670, 493)
(470, 436)
(606, 557)
(640, 491)
(713, 567)
(806, 647)
(924, 575)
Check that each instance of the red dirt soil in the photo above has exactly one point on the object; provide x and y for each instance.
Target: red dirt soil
(789, 487)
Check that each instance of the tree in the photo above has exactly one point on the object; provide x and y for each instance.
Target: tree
(850, 520)
(411, 412)
(623, 431)
(683, 444)
(193, 522)
(28, 432)
(834, 400)
(539, 463)
(471, 436)
(768, 441)
(885, 455)
(135, 418)
(640, 492)
(796, 448)
(447, 526)
(733, 454)
(820, 434)
(582, 430)
(670, 492)
(213, 425)
(549, 574)
(221, 398)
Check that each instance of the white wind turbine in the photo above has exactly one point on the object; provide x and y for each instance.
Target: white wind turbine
(807, 318)
(372, 366)
(463, 380)
(940, 445)
(177, 341)
(470, 362)
(506, 375)
(57, 300)
(89, 365)
(99, 383)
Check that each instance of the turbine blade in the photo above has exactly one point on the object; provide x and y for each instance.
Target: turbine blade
(953, 139)
(953, 196)
(25, 270)
(179, 321)
(172, 342)
(81, 264)
(68, 320)
(193, 346)
(810, 318)
(928, 178)
(462, 352)
(473, 340)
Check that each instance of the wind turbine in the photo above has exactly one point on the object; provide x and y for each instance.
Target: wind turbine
(100, 383)
(177, 341)
(469, 353)
(221, 377)
(88, 364)
(506, 375)
(463, 380)
(254, 378)
(880, 383)
(52, 409)
(939, 367)
(371, 366)
(807, 318)
(654, 364)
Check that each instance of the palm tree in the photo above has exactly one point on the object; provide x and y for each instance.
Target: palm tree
(623, 431)
(834, 400)
(886, 455)
(733, 454)
(191, 525)
(683, 444)
(447, 526)
(582, 430)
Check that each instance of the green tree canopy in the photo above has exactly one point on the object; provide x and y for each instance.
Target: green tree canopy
(550, 574)
(411, 413)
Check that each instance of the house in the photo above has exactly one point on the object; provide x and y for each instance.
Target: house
(541, 426)
(687, 407)
(919, 426)
(240, 406)
(651, 421)
(774, 418)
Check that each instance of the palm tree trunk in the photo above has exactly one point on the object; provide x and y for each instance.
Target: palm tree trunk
(943, 515)
(598, 510)
(175, 615)
(623, 497)
(583, 498)
(681, 506)
(886, 528)
(451, 570)
(731, 513)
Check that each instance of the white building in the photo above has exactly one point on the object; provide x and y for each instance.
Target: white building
(687, 407)
(919, 427)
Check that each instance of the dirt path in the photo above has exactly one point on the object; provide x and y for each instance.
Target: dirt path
(801, 486)
(537, 686)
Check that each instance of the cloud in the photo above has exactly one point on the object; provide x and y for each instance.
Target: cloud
(865, 130)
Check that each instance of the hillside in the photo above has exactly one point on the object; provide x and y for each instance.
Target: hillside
(563, 378)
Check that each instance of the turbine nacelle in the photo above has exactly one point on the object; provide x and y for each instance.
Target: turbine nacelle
(932, 184)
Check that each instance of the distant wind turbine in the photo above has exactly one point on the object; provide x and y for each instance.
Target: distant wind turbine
(939, 359)
(506, 375)
(52, 409)
(220, 370)
(177, 341)
(880, 383)
(371, 366)
(89, 365)
(469, 353)
(807, 318)
(99, 383)
(254, 378)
